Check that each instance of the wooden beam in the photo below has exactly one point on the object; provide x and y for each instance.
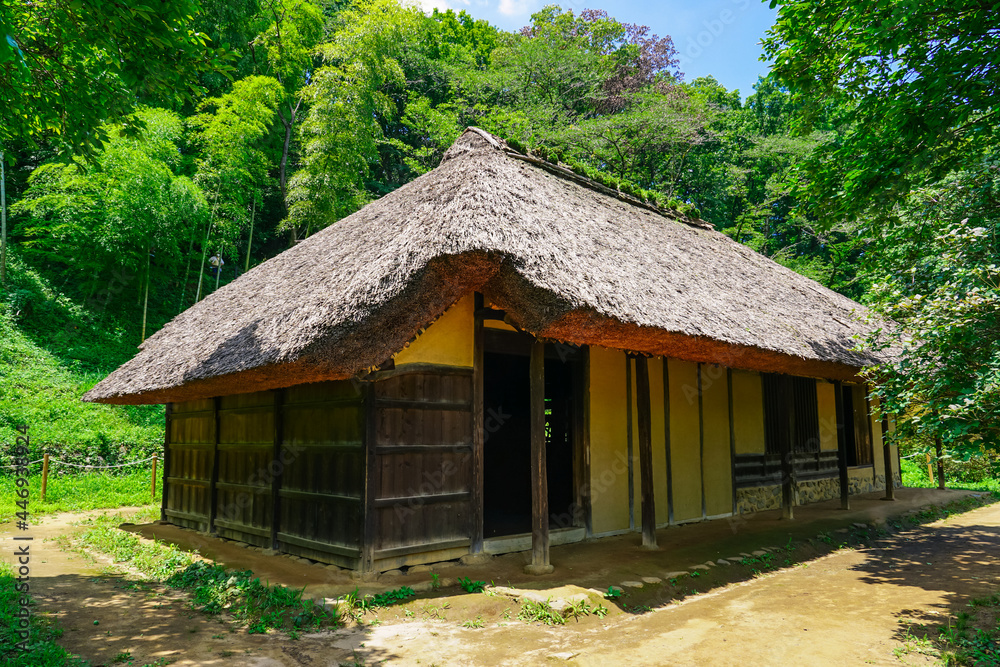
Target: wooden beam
(845, 482)
(539, 479)
(276, 478)
(787, 449)
(368, 536)
(478, 426)
(213, 491)
(630, 446)
(168, 411)
(732, 434)
(890, 491)
(645, 452)
(666, 440)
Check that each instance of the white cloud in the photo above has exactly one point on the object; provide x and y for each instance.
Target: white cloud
(516, 7)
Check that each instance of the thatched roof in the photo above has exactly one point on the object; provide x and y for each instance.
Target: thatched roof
(566, 258)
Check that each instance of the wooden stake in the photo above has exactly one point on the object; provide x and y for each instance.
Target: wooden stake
(645, 452)
(539, 475)
(45, 474)
(887, 458)
(152, 494)
(939, 449)
(930, 469)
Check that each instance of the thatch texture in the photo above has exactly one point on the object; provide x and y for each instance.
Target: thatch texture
(565, 259)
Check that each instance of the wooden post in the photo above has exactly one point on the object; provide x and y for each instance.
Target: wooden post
(845, 482)
(45, 474)
(732, 435)
(643, 410)
(478, 425)
(168, 410)
(539, 476)
(787, 450)
(152, 488)
(701, 445)
(666, 440)
(930, 469)
(887, 458)
(629, 442)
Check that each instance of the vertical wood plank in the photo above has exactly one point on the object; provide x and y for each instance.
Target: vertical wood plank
(213, 492)
(277, 477)
(168, 411)
(645, 451)
(787, 447)
(539, 476)
(368, 530)
(478, 425)
(845, 482)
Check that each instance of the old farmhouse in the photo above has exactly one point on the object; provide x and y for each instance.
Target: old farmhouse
(499, 356)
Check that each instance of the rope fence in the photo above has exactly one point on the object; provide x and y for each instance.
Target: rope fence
(46, 461)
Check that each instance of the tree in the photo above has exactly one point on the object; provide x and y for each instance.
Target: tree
(233, 166)
(921, 80)
(914, 164)
(70, 67)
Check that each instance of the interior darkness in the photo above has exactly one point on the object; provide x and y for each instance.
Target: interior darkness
(849, 439)
(507, 448)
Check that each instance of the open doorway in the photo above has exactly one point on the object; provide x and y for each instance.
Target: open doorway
(507, 446)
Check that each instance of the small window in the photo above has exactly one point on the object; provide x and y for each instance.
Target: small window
(777, 403)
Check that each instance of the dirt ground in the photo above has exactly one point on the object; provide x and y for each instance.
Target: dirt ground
(833, 608)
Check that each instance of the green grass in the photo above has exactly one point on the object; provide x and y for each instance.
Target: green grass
(42, 649)
(261, 607)
(52, 350)
(155, 560)
(84, 491)
(915, 475)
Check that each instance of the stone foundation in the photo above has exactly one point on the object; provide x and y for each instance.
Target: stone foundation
(761, 498)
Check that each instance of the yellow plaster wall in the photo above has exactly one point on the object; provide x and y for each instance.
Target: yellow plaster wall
(826, 397)
(685, 446)
(447, 342)
(717, 459)
(748, 412)
(608, 445)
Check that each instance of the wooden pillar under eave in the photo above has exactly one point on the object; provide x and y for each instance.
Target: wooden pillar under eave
(539, 476)
(787, 449)
(845, 482)
(478, 428)
(887, 458)
(645, 452)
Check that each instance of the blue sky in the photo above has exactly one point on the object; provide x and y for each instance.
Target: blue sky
(717, 37)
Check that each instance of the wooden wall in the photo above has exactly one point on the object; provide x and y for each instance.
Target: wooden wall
(190, 450)
(423, 464)
(236, 463)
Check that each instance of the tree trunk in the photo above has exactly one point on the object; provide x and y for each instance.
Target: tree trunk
(253, 211)
(145, 305)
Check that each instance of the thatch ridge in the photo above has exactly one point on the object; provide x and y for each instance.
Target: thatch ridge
(568, 261)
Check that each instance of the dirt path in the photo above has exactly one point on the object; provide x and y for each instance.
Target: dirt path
(845, 608)
(848, 608)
